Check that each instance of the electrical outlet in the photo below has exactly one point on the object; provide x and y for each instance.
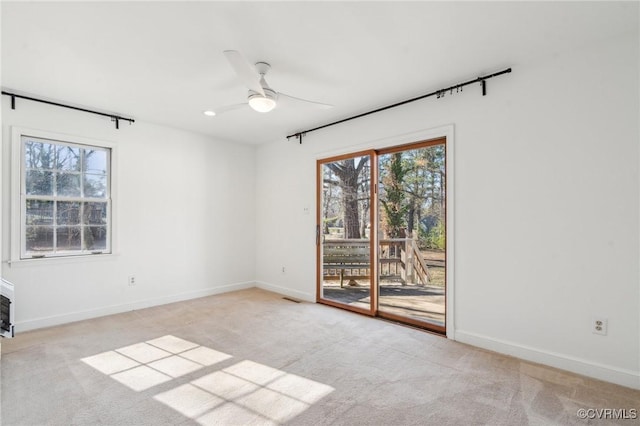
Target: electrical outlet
(283, 269)
(131, 280)
(599, 325)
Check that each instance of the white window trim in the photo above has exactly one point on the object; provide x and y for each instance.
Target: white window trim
(16, 200)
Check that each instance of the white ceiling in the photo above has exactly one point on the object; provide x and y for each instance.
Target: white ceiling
(162, 62)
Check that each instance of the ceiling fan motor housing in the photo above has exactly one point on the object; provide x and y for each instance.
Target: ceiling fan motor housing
(263, 103)
(262, 68)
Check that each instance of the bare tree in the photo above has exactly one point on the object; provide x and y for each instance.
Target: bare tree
(348, 173)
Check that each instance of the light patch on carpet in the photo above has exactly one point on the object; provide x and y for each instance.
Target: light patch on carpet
(225, 385)
(258, 394)
(205, 356)
(141, 378)
(189, 400)
(254, 372)
(244, 393)
(144, 365)
(172, 344)
(273, 405)
(308, 391)
(110, 362)
(175, 366)
(143, 352)
(232, 414)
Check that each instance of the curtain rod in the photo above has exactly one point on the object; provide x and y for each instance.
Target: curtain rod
(440, 93)
(113, 117)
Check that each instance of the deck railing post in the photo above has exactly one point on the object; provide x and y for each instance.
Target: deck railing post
(409, 261)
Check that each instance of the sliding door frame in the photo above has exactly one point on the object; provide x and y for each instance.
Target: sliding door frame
(400, 142)
(373, 237)
(404, 319)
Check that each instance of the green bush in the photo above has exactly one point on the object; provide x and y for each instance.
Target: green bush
(433, 237)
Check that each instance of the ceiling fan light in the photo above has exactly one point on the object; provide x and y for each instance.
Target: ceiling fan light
(261, 103)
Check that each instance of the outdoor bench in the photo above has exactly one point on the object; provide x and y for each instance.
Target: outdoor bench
(346, 255)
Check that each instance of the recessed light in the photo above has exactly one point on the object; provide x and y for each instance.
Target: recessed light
(209, 113)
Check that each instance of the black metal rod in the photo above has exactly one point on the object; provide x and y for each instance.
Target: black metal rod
(397, 104)
(113, 117)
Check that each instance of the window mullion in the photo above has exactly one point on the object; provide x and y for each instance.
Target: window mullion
(55, 226)
(82, 203)
(82, 171)
(81, 219)
(83, 225)
(54, 191)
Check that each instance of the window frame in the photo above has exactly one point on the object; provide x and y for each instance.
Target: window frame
(19, 197)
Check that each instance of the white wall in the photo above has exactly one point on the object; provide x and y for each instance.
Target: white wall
(546, 212)
(185, 221)
(546, 207)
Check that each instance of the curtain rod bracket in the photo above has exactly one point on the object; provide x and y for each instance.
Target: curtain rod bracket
(298, 136)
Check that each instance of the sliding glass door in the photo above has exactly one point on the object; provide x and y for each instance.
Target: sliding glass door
(412, 227)
(345, 250)
(381, 233)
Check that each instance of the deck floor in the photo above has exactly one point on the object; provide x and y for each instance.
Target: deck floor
(423, 303)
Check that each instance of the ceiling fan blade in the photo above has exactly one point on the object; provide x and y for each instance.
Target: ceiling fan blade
(289, 98)
(227, 108)
(245, 71)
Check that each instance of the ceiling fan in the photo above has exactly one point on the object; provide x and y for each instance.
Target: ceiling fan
(261, 96)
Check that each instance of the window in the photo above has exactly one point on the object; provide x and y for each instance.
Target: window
(65, 197)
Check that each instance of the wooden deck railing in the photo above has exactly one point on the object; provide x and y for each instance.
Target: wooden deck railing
(398, 258)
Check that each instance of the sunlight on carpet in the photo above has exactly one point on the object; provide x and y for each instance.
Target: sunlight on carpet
(246, 392)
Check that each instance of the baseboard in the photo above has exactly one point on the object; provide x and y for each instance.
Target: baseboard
(126, 307)
(307, 297)
(584, 367)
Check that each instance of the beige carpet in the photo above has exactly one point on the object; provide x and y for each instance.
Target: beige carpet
(251, 357)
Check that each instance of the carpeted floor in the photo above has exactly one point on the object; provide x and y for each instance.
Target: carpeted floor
(251, 357)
